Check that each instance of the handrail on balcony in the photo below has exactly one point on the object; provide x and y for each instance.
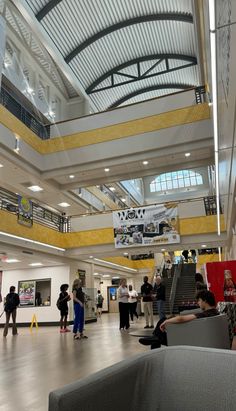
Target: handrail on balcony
(14, 106)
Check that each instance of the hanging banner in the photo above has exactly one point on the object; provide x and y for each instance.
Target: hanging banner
(221, 280)
(151, 225)
(25, 211)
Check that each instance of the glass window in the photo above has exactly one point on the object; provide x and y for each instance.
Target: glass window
(175, 180)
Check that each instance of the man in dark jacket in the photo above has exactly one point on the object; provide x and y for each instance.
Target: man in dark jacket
(160, 291)
(11, 303)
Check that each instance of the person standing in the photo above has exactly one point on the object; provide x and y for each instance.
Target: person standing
(146, 291)
(11, 303)
(133, 295)
(123, 296)
(160, 291)
(99, 303)
(79, 300)
(63, 307)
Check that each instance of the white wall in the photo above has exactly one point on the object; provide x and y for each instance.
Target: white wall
(58, 275)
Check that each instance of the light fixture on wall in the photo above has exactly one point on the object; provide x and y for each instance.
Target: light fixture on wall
(212, 18)
(17, 145)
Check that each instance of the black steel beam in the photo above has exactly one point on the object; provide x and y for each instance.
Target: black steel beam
(46, 9)
(191, 60)
(147, 89)
(184, 17)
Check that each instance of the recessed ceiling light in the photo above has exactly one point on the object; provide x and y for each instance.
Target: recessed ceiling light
(115, 278)
(71, 176)
(112, 188)
(1, 165)
(187, 154)
(91, 256)
(106, 275)
(35, 189)
(203, 245)
(35, 264)
(12, 260)
(145, 163)
(163, 249)
(123, 199)
(64, 204)
(126, 253)
(106, 170)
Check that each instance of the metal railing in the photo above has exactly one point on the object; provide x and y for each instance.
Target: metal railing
(177, 273)
(41, 215)
(14, 106)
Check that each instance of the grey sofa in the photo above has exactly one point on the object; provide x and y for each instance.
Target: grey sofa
(212, 332)
(167, 379)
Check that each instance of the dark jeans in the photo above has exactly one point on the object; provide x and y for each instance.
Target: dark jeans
(157, 339)
(8, 316)
(124, 315)
(78, 319)
(132, 310)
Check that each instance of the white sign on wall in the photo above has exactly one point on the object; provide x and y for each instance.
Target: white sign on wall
(151, 225)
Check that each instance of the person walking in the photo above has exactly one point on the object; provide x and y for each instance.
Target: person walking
(79, 300)
(133, 300)
(146, 291)
(11, 303)
(99, 303)
(160, 291)
(63, 307)
(123, 296)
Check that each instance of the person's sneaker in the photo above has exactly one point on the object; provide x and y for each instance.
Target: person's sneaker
(146, 326)
(62, 331)
(151, 326)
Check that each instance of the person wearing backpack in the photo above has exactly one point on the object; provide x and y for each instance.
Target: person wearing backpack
(62, 305)
(12, 301)
(99, 303)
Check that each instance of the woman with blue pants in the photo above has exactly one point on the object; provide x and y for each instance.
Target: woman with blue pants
(78, 299)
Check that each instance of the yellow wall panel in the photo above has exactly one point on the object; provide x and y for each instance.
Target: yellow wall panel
(131, 128)
(200, 225)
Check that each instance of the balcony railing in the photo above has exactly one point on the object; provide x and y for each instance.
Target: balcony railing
(12, 105)
(41, 215)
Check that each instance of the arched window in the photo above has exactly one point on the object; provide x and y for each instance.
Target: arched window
(175, 180)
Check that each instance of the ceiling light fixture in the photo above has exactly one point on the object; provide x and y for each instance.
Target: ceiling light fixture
(31, 241)
(187, 154)
(212, 18)
(35, 188)
(106, 275)
(17, 146)
(71, 176)
(145, 163)
(106, 170)
(123, 199)
(91, 256)
(1, 165)
(12, 260)
(203, 245)
(64, 205)
(112, 188)
(115, 265)
(35, 264)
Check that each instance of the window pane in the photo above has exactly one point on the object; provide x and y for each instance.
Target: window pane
(199, 179)
(181, 182)
(169, 185)
(174, 174)
(175, 184)
(163, 186)
(152, 187)
(163, 177)
(158, 187)
(168, 176)
(180, 174)
(187, 182)
(193, 181)
(192, 173)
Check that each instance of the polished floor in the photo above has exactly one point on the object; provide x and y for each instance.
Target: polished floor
(34, 363)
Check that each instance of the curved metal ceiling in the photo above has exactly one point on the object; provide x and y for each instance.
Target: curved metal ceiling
(118, 47)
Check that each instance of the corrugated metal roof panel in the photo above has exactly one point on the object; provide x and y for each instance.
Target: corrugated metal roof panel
(72, 22)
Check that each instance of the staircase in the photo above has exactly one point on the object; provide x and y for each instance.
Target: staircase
(185, 291)
(168, 283)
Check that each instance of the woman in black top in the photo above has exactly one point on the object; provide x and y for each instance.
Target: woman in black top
(11, 303)
(63, 306)
(79, 299)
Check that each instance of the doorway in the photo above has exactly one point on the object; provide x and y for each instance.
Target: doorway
(112, 299)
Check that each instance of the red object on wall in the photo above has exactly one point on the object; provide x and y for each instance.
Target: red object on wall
(221, 279)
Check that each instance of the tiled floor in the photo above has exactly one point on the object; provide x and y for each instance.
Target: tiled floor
(33, 364)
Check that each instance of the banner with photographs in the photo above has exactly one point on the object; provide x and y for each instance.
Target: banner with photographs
(25, 211)
(151, 225)
(27, 293)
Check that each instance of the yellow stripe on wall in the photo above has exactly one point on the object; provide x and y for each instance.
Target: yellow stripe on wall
(131, 128)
